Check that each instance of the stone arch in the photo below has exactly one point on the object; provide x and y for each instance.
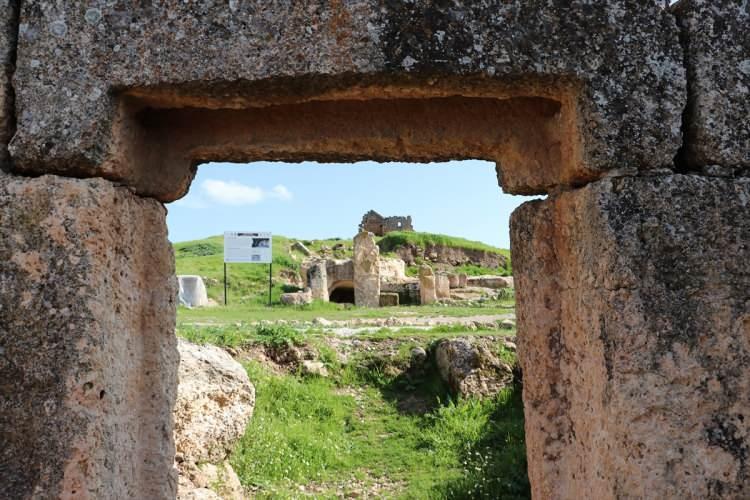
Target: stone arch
(342, 291)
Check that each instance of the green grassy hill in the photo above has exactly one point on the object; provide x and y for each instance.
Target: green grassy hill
(391, 241)
(248, 283)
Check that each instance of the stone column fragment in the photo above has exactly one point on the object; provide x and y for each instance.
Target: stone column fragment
(442, 286)
(427, 291)
(366, 270)
(88, 358)
(634, 338)
(463, 280)
(317, 280)
(453, 280)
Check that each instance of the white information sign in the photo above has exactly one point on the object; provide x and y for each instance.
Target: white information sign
(247, 247)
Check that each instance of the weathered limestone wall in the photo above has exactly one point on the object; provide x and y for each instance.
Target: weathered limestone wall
(634, 338)
(88, 358)
(339, 270)
(717, 55)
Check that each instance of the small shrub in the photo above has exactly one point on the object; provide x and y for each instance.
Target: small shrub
(201, 249)
(506, 355)
(277, 336)
(329, 357)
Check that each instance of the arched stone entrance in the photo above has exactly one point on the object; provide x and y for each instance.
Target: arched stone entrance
(342, 292)
(631, 276)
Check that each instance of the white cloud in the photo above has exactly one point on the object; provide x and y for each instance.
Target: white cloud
(281, 192)
(237, 194)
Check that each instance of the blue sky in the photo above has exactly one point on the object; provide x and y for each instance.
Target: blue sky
(312, 200)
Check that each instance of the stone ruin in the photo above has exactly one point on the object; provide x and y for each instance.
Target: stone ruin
(192, 291)
(357, 280)
(378, 225)
(631, 276)
(369, 280)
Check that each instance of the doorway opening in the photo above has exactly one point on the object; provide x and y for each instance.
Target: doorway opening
(376, 368)
(342, 292)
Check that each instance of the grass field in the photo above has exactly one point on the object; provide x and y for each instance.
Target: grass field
(357, 433)
(254, 311)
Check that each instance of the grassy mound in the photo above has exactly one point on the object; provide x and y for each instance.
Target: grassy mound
(391, 241)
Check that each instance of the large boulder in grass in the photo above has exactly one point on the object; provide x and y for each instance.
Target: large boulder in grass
(300, 298)
(192, 291)
(215, 401)
(470, 368)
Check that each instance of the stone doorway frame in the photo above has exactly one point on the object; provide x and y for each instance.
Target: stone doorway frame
(633, 307)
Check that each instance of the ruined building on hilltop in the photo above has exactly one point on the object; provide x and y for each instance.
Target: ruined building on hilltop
(379, 225)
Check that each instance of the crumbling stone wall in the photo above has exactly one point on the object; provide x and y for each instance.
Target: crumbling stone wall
(631, 276)
(378, 225)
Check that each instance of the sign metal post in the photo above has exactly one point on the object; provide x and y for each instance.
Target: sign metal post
(270, 282)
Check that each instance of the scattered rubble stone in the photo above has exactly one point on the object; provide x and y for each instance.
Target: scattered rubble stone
(297, 298)
(300, 247)
(470, 368)
(388, 299)
(490, 281)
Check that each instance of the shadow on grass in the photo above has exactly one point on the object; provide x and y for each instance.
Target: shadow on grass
(412, 392)
(480, 441)
(494, 467)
